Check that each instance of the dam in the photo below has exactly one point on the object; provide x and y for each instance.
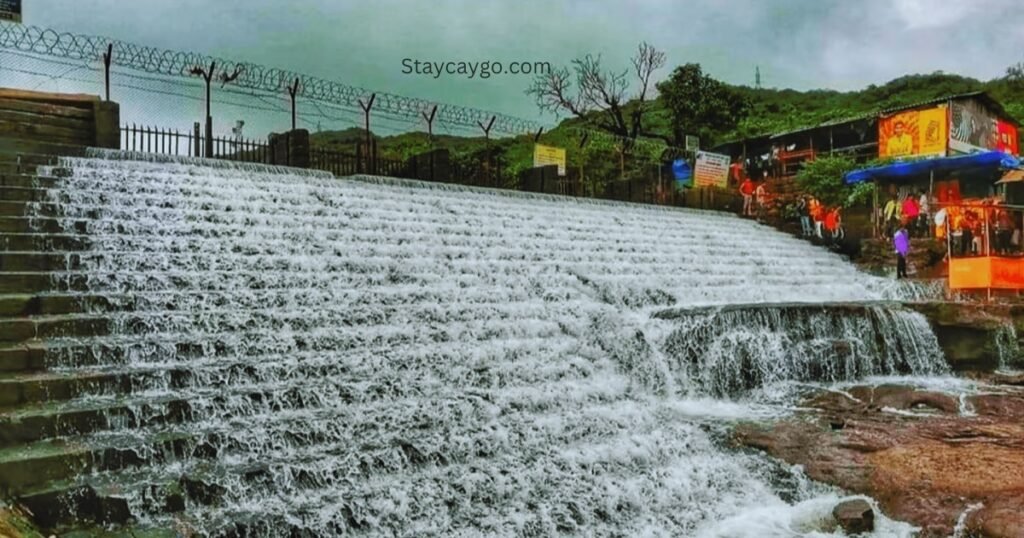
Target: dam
(242, 350)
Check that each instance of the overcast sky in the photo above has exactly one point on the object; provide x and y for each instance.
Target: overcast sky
(800, 44)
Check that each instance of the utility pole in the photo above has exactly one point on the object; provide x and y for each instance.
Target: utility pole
(207, 75)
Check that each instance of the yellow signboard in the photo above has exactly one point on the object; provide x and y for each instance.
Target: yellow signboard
(548, 155)
(914, 133)
(711, 170)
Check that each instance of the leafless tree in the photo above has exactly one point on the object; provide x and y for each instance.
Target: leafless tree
(600, 97)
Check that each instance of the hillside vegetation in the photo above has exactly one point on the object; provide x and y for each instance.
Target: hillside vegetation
(769, 111)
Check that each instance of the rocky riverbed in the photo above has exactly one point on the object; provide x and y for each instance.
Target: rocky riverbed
(946, 464)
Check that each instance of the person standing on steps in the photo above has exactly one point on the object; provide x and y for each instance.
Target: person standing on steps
(901, 242)
(925, 206)
(747, 190)
(910, 212)
(803, 210)
(761, 198)
(892, 215)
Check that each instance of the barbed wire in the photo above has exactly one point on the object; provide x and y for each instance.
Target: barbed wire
(252, 76)
(146, 67)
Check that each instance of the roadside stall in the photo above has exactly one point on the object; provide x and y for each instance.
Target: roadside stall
(971, 212)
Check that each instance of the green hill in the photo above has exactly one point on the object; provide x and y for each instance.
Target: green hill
(771, 111)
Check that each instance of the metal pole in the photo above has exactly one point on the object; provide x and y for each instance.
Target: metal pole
(107, 58)
(366, 112)
(292, 90)
(487, 143)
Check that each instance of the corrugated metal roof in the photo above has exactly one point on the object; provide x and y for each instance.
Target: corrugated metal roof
(892, 110)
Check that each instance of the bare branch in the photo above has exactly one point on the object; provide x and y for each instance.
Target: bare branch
(599, 91)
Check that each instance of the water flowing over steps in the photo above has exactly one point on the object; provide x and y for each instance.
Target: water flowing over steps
(187, 338)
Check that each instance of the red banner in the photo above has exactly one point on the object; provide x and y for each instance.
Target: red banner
(1007, 141)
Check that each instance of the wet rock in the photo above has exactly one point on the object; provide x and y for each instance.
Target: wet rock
(926, 466)
(175, 502)
(113, 511)
(201, 492)
(855, 516)
(968, 333)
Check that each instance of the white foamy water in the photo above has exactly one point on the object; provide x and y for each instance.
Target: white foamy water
(390, 357)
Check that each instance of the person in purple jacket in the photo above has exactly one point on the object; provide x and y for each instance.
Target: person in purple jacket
(901, 240)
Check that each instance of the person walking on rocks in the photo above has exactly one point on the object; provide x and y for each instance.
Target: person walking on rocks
(901, 241)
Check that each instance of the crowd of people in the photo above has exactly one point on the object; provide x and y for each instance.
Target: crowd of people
(816, 219)
(976, 230)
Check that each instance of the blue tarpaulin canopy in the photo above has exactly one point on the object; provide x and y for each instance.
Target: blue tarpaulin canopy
(988, 159)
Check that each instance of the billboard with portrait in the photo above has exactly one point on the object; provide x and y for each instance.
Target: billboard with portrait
(913, 133)
(972, 127)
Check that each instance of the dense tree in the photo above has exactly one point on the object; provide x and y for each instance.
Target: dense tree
(700, 105)
(823, 179)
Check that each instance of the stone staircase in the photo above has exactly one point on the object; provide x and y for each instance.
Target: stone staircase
(44, 419)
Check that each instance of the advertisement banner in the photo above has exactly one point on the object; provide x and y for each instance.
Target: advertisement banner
(913, 133)
(711, 170)
(972, 128)
(10, 10)
(1007, 142)
(682, 173)
(548, 155)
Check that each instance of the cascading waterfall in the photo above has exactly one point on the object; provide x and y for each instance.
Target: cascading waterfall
(382, 356)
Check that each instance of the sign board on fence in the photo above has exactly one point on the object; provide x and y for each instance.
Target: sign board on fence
(10, 10)
(692, 143)
(711, 170)
(547, 155)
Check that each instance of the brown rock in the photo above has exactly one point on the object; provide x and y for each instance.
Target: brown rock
(923, 468)
(855, 516)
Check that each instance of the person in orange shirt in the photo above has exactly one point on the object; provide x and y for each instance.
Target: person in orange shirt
(837, 223)
(747, 190)
(817, 215)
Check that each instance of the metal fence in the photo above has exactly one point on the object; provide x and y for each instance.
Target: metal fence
(174, 142)
(174, 90)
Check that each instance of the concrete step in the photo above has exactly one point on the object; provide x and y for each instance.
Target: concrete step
(24, 209)
(24, 194)
(24, 225)
(18, 389)
(32, 466)
(32, 181)
(16, 305)
(15, 330)
(25, 357)
(42, 242)
(20, 262)
(32, 423)
(102, 498)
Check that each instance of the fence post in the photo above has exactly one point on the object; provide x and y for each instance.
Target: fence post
(195, 130)
(292, 90)
(366, 112)
(107, 58)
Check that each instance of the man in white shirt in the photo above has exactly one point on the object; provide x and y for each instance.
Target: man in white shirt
(923, 218)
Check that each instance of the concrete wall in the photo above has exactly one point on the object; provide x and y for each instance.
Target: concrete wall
(67, 119)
